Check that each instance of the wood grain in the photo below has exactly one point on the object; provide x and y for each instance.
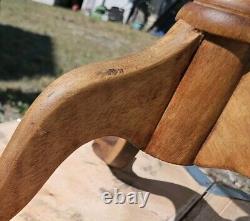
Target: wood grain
(217, 22)
(125, 97)
(216, 17)
(241, 7)
(228, 145)
(199, 100)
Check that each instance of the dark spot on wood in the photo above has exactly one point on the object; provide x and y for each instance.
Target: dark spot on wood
(44, 132)
(51, 194)
(113, 71)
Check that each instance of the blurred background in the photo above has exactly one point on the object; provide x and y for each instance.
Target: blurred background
(39, 42)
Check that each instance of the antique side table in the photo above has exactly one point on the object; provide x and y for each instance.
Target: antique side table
(184, 100)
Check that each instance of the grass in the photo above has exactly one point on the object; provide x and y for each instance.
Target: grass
(40, 42)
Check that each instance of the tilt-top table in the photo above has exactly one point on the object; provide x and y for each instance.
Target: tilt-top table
(185, 100)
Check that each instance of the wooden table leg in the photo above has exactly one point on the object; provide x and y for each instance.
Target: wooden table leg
(125, 97)
(115, 152)
(132, 98)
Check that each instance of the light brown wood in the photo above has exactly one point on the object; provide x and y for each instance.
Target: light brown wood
(228, 145)
(189, 124)
(115, 152)
(241, 7)
(199, 100)
(125, 98)
(217, 21)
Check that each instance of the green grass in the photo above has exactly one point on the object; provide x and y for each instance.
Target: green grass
(40, 42)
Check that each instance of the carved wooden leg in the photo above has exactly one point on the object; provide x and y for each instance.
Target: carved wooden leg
(144, 99)
(125, 97)
(115, 152)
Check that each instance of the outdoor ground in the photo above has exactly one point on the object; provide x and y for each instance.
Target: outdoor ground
(40, 42)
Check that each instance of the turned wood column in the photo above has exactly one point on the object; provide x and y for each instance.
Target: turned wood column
(209, 81)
